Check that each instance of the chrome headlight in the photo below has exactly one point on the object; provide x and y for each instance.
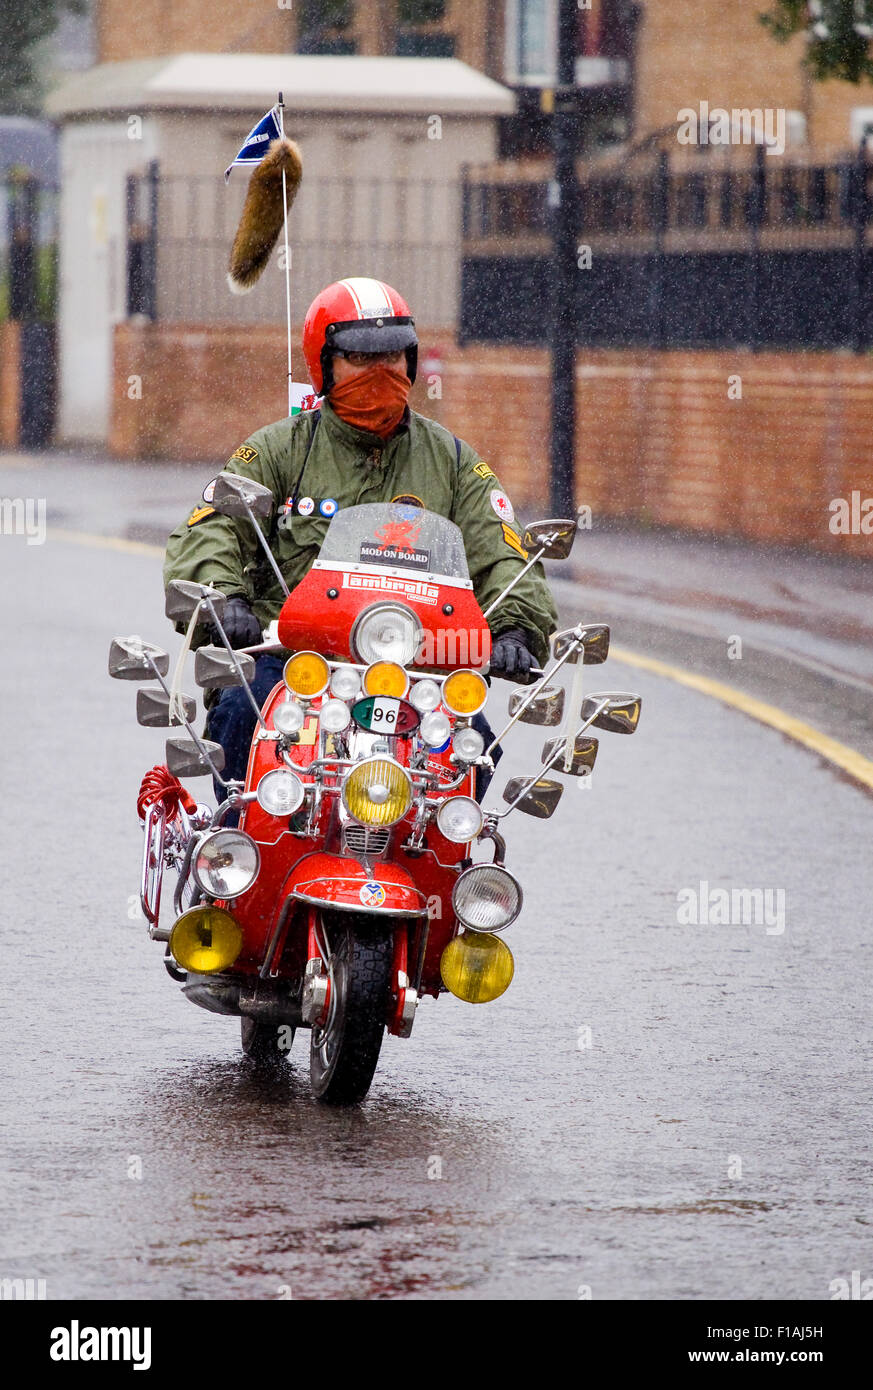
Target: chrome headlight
(468, 745)
(280, 792)
(226, 863)
(425, 696)
(334, 716)
(460, 819)
(386, 632)
(377, 791)
(288, 717)
(345, 683)
(436, 730)
(487, 898)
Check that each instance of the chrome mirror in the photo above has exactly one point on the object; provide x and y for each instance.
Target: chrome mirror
(584, 755)
(594, 649)
(184, 595)
(153, 709)
(554, 539)
(535, 796)
(546, 708)
(215, 669)
(128, 659)
(234, 495)
(622, 713)
(185, 759)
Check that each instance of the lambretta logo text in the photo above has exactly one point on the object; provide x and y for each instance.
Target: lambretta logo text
(75, 1343)
(384, 583)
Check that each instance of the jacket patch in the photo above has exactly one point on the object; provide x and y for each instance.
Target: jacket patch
(513, 539)
(199, 514)
(501, 504)
(484, 470)
(409, 499)
(245, 453)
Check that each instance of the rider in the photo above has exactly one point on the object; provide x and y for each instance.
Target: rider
(364, 444)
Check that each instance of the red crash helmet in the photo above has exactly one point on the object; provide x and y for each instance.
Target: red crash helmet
(356, 315)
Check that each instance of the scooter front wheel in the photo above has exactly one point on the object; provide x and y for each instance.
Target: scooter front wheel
(344, 1051)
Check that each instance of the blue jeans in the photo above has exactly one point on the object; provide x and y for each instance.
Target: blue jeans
(232, 724)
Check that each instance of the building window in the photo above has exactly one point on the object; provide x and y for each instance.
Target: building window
(413, 12)
(421, 31)
(322, 24)
(531, 41)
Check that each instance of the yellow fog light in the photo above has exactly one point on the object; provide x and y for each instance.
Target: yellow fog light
(205, 939)
(464, 692)
(377, 792)
(386, 678)
(306, 674)
(477, 967)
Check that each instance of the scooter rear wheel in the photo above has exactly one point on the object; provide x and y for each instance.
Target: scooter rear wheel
(265, 1042)
(344, 1052)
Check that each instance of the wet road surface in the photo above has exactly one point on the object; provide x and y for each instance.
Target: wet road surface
(654, 1110)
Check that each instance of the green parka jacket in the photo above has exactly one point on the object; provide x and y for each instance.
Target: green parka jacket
(314, 472)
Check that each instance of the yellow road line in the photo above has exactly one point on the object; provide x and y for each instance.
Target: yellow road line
(840, 754)
(850, 761)
(105, 542)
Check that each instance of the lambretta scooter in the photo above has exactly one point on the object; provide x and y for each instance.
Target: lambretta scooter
(350, 887)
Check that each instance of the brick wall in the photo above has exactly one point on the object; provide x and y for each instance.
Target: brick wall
(659, 440)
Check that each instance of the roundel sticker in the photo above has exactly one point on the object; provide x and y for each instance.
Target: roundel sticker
(328, 507)
(372, 894)
(209, 490)
(502, 505)
(305, 506)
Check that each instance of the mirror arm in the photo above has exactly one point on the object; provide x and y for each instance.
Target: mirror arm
(546, 676)
(203, 751)
(546, 767)
(511, 585)
(266, 549)
(237, 665)
(489, 832)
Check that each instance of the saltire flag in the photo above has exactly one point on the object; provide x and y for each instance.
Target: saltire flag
(257, 142)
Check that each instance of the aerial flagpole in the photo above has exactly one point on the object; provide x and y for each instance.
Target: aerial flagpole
(287, 257)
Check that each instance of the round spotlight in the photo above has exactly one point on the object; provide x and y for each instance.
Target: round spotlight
(280, 792)
(306, 674)
(460, 819)
(226, 863)
(425, 696)
(288, 717)
(205, 939)
(436, 729)
(487, 898)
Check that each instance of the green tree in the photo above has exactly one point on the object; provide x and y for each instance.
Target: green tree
(838, 33)
(22, 27)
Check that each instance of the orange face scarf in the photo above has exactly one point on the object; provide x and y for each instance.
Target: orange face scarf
(372, 400)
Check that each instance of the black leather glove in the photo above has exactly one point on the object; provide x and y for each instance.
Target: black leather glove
(240, 624)
(511, 657)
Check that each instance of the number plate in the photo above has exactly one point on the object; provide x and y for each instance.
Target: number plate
(386, 715)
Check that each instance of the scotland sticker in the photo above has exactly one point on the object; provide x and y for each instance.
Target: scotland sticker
(328, 507)
(502, 505)
(305, 507)
(372, 894)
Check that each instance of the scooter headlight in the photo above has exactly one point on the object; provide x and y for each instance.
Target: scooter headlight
(487, 898)
(226, 863)
(436, 729)
(334, 716)
(280, 792)
(425, 696)
(468, 745)
(306, 674)
(288, 717)
(460, 819)
(345, 683)
(386, 632)
(464, 692)
(377, 792)
(205, 939)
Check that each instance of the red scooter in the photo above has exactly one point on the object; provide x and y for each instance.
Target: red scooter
(348, 888)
